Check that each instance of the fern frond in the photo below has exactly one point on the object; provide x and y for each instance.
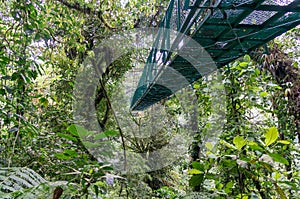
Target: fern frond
(24, 183)
(16, 178)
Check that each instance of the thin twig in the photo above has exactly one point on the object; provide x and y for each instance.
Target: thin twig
(117, 121)
(15, 141)
(119, 129)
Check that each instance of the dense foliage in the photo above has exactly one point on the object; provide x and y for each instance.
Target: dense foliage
(252, 151)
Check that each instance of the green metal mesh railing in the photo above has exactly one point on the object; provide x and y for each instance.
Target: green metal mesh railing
(226, 30)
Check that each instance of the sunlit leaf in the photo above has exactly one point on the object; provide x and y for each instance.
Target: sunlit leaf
(194, 172)
(228, 187)
(243, 64)
(257, 71)
(247, 58)
(239, 142)
(196, 86)
(271, 136)
(284, 142)
(209, 146)
(277, 175)
(263, 94)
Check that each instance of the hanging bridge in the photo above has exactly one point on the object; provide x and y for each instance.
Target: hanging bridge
(225, 30)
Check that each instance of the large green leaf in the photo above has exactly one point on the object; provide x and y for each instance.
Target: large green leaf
(77, 130)
(271, 136)
(100, 136)
(198, 166)
(239, 142)
(279, 158)
(196, 180)
(72, 129)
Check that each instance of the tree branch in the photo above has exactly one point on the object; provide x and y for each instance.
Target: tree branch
(117, 122)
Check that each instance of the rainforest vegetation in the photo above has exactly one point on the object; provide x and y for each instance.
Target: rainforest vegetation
(250, 151)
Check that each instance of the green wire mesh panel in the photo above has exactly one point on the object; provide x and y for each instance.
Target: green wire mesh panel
(226, 29)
